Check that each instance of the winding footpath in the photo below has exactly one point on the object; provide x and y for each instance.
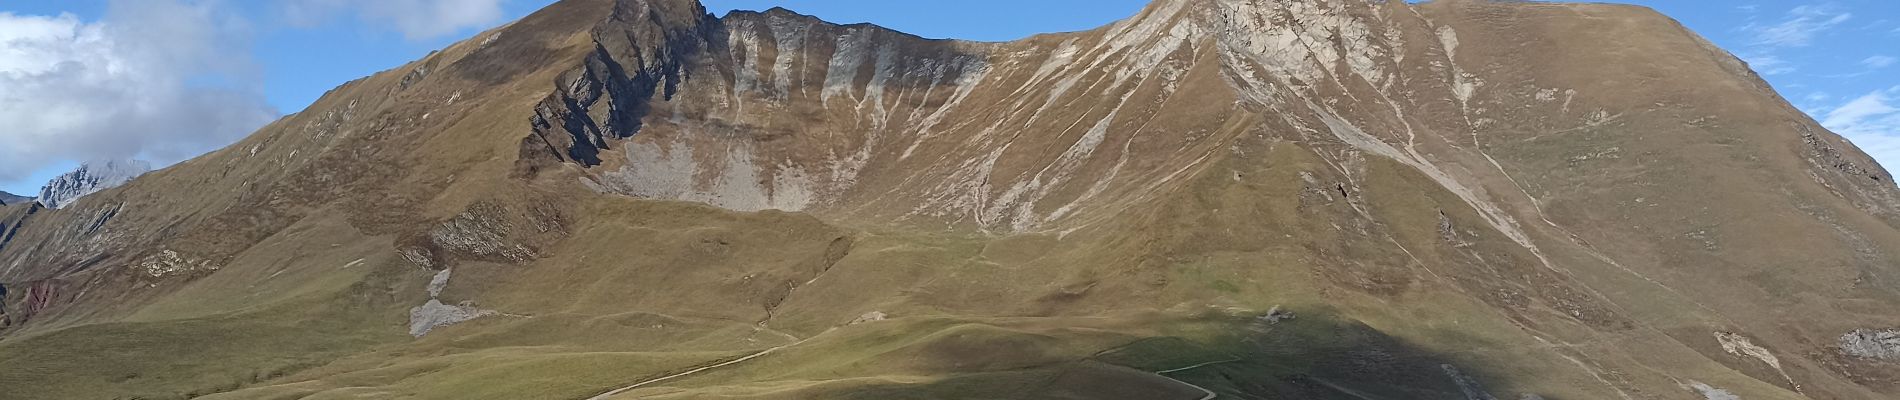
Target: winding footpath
(761, 353)
(1209, 394)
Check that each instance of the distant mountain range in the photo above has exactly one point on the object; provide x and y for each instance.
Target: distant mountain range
(9, 198)
(89, 178)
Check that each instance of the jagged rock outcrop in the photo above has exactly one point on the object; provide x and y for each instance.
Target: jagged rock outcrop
(1871, 343)
(91, 177)
(649, 41)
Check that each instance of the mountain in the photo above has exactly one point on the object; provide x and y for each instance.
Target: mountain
(1230, 198)
(89, 178)
(9, 198)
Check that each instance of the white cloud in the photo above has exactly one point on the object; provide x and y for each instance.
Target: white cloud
(161, 80)
(1801, 26)
(1857, 112)
(415, 19)
(1872, 122)
(1767, 64)
(1878, 61)
(1815, 103)
(1876, 25)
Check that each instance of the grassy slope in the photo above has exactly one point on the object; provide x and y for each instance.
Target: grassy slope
(704, 278)
(576, 329)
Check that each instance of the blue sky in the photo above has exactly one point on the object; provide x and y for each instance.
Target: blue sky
(197, 74)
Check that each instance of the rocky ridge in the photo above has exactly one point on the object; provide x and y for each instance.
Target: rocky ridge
(90, 178)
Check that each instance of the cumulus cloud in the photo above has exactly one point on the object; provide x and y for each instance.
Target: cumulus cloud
(161, 80)
(1800, 26)
(1871, 122)
(415, 19)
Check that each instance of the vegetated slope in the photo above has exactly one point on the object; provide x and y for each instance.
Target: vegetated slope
(1303, 199)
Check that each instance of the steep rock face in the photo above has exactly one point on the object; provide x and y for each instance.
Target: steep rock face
(605, 99)
(1459, 199)
(90, 178)
(788, 112)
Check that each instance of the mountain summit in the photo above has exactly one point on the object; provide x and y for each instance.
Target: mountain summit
(90, 178)
(1210, 199)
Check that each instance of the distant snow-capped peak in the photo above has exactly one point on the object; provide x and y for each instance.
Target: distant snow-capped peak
(91, 177)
